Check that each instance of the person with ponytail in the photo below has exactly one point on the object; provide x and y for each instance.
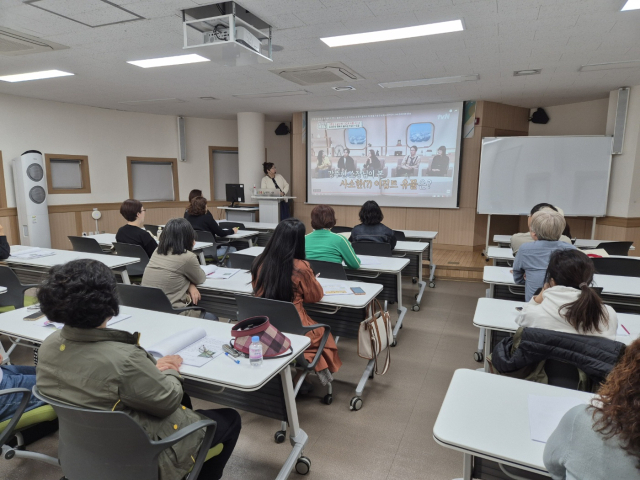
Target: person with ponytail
(567, 303)
(601, 440)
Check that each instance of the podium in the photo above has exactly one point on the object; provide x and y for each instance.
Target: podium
(270, 207)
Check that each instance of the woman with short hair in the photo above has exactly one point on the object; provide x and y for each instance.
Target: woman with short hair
(133, 232)
(371, 228)
(440, 163)
(88, 365)
(175, 269)
(200, 218)
(323, 244)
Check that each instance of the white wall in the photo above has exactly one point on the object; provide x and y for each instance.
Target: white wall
(107, 137)
(584, 118)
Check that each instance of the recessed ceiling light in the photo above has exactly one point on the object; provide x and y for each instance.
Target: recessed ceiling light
(272, 94)
(394, 34)
(522, 73)
(344, 89)
(430, 81)
(24, 77)
(592, 67)
(207, 98)
(631, 5)
(166, 61)
(153, 100)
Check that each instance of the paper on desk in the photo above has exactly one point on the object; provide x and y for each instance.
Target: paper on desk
(188, 344)
(336, 289)
(621, 332)
(45, 322)
(545, 414)
(366, 261)
(212, 271)
(34, 252)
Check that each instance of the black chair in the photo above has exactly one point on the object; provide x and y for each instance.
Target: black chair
(400, 236)
(561, 374)
(337, 229)
(211, 253)
(150, 298)
(136, 251)
(626, 267)
(86, 245)
(14, 297)
(328, 269)
(103, 445)
(225, 224)
(153, 229)
(616, 248)
(238, 260)
(373, 249)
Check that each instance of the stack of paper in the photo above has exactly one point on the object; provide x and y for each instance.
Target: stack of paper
(545, 414)
(213, 271)
(336, 289)
(193, 345)
(34, 252)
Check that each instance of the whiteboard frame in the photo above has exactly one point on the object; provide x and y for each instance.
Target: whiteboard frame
(547, 136)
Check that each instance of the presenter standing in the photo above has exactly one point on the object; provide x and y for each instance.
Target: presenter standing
(277, 181)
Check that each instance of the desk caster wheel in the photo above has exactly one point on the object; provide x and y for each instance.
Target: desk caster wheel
(303, 465)
(355, 404)
(10, 454)
(280, 436)
(394, 343)
(414, 280)
(478, 356)
(416, 308)
(327, 399)
(432, 284)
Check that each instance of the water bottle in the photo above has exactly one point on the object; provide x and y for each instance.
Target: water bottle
(255, 192)
(255, 352)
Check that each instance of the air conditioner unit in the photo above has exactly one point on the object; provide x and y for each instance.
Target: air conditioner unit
(31, 199)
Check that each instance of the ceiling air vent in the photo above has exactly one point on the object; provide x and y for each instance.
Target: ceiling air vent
(16, 43)
(318, 74)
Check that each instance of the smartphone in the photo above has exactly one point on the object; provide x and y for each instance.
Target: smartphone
(519, 309)
(34, 316)
(230, 350)
(357, 290)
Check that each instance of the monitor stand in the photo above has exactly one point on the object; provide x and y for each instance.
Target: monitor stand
(233, 205)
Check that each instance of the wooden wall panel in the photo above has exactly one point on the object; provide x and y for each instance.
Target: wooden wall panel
(11, 231)
(299, 167)
(456, 226)
(424, 219)
(62, 225)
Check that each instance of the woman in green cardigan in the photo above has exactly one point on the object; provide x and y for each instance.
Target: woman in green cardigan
(323, 244)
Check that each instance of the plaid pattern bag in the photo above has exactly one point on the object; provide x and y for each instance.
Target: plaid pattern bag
(274, 342)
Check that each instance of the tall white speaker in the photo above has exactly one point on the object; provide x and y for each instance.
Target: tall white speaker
(182, 140)
(31, 199)
(621, 120)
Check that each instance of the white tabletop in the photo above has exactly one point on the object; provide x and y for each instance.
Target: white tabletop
(241, 209)
(419, 234)
(411, 247)
(268, 197)
(501, 315)
(156, 326)
(3, 290)
(474, 402)
(108, 239)
(64, 256)
(580, 242)
(502, 239)
(242, 234)
(500, 253)
(260, 225)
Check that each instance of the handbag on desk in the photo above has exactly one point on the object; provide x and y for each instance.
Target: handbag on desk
(274, 342)
(374, 336)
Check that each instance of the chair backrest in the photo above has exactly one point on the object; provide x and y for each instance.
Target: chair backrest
(14, 295)
(371, 248)
(102, 445)
(148, 298)
(136, 251)
(232, 225)
(202, 236)
(152, 228)
(337, 229)
(626, 267)
(328, 269)
(561, 374)
(400, 236)
(616, 248)
(85, 244)
(238, 260)
(282, 315)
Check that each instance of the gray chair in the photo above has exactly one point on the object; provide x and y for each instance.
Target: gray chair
(211, 253)
(85, 244)
(107, 445)
(239, 260)
(153, 229)
(371, 248)
(328, 269)
(616, 248)
(337, 229)
(150, 298)
(400, 236)
(626, 267)
(135, 251)
(239, 225)
(561, 374)
(14, 297)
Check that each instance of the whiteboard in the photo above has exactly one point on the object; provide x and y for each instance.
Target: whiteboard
(571, 172)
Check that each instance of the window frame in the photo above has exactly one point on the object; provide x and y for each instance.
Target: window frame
(84, 170)
(174, 170)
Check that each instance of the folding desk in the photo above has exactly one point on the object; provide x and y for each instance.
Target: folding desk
(239, 214)
(467, 419)
(265, 231)
(35, 269)
(427, 236)
(245, 235)
(582, 243)
(220, 373)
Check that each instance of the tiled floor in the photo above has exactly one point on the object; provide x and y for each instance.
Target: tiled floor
(390, 438)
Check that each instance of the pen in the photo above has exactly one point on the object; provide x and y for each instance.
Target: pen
(231, 358)
(625, 329)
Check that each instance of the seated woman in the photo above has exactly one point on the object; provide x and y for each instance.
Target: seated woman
(192, 194)
(439, 164)
(323, 244)
(373, 164)
(133, 232)
(601, 440)
(281, 273)
(566, 302)
(91, 366)
(371, 228)
(200, 218)
(5, 249)
(532, 259)
(175, 269)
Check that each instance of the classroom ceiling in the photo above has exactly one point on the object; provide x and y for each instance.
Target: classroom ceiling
(500, 36)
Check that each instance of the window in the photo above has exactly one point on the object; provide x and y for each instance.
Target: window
(223, 168)
(67, 173)
(356, 137)
(153, 179)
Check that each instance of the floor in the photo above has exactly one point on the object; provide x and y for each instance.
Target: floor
(390, 438)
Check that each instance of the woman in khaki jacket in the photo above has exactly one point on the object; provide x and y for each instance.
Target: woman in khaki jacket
(174, 268)
(92, 366)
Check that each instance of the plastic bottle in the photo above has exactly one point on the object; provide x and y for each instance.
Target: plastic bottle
(255, 352)
(255, 192)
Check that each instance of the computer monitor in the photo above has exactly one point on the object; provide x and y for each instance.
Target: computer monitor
(235, 193)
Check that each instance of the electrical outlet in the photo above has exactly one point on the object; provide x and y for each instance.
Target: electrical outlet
(84, 234)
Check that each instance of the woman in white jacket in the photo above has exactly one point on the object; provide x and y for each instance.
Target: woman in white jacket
(567, 303)
(273, 180)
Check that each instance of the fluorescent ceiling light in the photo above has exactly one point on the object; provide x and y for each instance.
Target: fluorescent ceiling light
(394, 34)
(522, 73)
(165, 61)
(23, 77)
(430, 81)
(273, 94)
(593, 67)
(631, 5)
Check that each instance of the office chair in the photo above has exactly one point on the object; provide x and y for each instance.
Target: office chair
(371, 248)
(400, 236)
(239, 244)
(103, 445)
(150, 298)
(561, 374)
(14, 297)
(328, 269)
(238, 260)
(135, 251)
(626, 267)
(211, 253)
(153, 229)
(85, 244)
(616, 248)
(232, 225)
(337, 229)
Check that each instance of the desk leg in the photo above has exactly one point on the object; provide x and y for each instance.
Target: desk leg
(201, 257)
(487, 346)
(401, 310)
(467, 468)
(422, 285)
(432, 265)
(250, 240)
(125, 277)
(298, 436)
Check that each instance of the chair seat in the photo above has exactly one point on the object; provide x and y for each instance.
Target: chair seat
(28, 301)
(213, 452)
(32, 417)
